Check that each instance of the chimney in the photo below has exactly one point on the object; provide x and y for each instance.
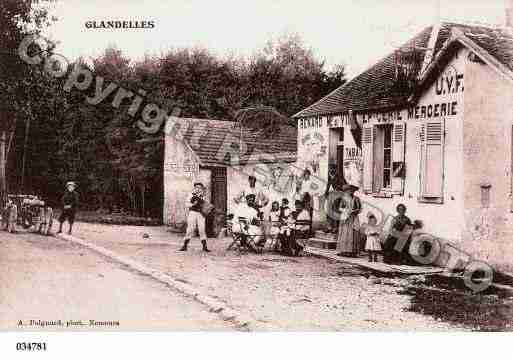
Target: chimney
(508, 13)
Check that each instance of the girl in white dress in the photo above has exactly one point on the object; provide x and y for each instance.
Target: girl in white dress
(274, 219)
(372, 245)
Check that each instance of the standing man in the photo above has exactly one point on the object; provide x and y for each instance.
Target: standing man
(195, 218)
(261, 200)
(69, 206)
(333, 198)
(304, 191)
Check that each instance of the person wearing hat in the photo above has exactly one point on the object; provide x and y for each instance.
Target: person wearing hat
(69, 206)
(332, 197)
(195, 218)
(348, 239)
(304, 188)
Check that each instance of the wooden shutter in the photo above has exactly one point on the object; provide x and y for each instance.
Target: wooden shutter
(432, 166)
(398, 149)
(378, 139)
(367, 155)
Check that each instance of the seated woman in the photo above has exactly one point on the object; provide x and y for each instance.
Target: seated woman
(390, 254)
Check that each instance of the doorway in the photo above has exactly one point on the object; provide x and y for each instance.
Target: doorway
(219, 199)
(340, 162)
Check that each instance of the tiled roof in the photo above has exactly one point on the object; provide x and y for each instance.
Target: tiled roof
(373, 89)
(208, 137)
(495, 41)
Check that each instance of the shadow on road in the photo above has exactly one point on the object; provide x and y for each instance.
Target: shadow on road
(450, 301)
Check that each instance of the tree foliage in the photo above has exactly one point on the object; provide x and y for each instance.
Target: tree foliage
(102, 148)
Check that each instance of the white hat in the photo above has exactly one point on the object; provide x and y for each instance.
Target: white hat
(71, 183)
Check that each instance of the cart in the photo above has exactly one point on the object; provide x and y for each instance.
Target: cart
(33, 213)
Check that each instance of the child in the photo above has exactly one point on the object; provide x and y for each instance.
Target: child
(274, 218)
(301, 231)
(372, 245)
(274, 222)
(287, 222)
(11, 216)
(285, 211)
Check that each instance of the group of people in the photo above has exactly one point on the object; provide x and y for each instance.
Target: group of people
(282, 221)
(353, 237)
(69, 205)
(288, 223)
(252, 218)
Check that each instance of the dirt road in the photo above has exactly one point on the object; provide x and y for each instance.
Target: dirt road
(284, 293)
(59, 286)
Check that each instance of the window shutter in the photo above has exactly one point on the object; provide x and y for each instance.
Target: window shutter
(367, 154)
(398, 163)
(432, 168)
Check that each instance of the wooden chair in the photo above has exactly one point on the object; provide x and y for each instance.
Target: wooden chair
(273, 238)
(299, 234)
(243, 239)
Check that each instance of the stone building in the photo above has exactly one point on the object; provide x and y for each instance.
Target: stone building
(222, 155)
(430, 125)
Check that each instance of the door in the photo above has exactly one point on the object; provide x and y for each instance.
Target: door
(340, 162)
(219, 200)
(219, 190)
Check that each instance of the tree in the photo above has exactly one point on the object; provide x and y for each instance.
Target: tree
(287, 76)
(17, 79)
(101, 147)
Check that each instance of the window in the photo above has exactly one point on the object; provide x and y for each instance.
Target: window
(382, 148)
(431, 151)
(387, 155)
(383, 158)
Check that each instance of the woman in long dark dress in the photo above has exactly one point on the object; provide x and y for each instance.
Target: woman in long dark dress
(348, 240)
(390, 255)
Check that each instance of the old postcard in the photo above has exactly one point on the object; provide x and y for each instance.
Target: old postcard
(256, 166)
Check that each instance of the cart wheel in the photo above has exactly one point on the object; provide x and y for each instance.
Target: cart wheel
(26, 221)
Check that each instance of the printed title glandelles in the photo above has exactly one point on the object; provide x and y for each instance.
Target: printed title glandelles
(120, 24)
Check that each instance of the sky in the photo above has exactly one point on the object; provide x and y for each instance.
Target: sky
(356, 33)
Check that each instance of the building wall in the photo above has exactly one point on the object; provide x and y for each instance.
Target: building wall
(181, 170)
(274, 180)
(445, 219)
(487, 161)
(316, 149)
(477, 155)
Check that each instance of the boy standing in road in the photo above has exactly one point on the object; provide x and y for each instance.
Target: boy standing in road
(195, 218)
(69, 206)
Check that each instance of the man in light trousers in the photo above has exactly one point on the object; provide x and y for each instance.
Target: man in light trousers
(195, 218)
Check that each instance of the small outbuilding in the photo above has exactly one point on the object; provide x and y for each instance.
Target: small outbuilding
(222, 155)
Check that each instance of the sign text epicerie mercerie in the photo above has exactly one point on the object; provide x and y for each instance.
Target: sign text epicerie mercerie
(120, 24)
